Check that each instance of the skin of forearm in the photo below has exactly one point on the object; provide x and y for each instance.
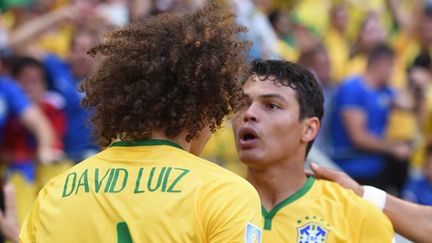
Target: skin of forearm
(411, 220)
(38, 124)
(368, 142)
(31, 29)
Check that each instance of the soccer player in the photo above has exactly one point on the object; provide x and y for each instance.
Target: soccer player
(164, 85)
(274, 132)
(411, 220)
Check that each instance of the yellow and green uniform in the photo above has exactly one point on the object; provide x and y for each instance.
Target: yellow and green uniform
(221, 150)
(145, 191)
(322, 211)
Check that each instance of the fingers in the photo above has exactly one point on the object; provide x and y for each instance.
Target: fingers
(337, 176)
(316, 169)
(309, 173)
(326, 173)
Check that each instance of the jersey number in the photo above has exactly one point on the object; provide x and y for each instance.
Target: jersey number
(123, 234)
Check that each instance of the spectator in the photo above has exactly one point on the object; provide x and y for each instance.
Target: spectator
(65, 77)
(371, 34)
(318, 63)
(336, 43)
(359, 120)
(20, 150)
(286, 43)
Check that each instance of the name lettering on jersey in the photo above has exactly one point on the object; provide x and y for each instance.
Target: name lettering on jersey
(117, 174)
(83, 181)
(115, 180)
(98, 183)
(66, 192)
(162, 179)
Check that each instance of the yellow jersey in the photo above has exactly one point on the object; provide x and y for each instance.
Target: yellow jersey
(321, 212)
(221, 150)
(145, 191)
(337, 47)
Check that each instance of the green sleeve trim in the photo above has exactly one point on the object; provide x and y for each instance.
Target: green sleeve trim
(147, 142)
(268, 216)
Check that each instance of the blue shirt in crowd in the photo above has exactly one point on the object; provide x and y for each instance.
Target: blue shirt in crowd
(78, 140)
(375, 103)
(418, 191)
(13, 100)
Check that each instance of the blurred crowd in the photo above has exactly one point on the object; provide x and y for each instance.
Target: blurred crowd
(372, 58)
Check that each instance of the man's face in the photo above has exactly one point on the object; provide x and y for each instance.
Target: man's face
(426, 30)
(321, 66)
(384, 68)
(340, 17)
(372, 34)
(31, 79)
(81, 63)
(267, 130)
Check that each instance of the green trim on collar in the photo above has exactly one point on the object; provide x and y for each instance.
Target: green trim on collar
(268, 216)
(147, 142)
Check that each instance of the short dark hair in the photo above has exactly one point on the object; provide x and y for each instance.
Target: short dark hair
(379, 52)
(18, 63)
(307, 57)
(173, 72)
(308, 91)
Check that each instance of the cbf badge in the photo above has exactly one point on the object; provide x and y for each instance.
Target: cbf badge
(312, 233)
(253, 234)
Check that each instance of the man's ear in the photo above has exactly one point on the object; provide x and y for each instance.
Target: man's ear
(311, 128)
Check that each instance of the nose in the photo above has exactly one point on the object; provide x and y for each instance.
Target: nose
(250, 114)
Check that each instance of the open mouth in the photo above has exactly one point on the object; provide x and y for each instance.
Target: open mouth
(248, 137)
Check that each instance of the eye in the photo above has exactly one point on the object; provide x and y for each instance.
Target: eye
(271, 106)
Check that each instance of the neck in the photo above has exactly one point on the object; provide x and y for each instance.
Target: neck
(276, 183)
(370, 80)
(180, 139)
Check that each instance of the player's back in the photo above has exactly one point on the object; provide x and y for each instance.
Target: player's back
(147, 191)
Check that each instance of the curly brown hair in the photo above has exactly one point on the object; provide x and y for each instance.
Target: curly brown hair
(171, 72)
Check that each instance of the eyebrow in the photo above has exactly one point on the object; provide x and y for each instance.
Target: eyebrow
(273, 96)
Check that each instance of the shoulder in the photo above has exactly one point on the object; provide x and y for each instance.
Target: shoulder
(52, 59)
(350, 86)
(7, 85)
(354, 207)
(218, 180)
(352, 82)
(215, 176)
(210, 170)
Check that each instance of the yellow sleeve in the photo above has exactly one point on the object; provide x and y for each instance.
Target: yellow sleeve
(376, 227)
(230, 211)
(31, 224)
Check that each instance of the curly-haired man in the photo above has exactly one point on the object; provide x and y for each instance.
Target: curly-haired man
(164, 85)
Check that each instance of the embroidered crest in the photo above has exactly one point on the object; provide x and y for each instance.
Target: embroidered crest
(312, 233)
